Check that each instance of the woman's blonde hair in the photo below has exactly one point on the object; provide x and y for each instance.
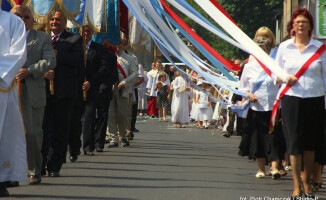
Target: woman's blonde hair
(267, 33)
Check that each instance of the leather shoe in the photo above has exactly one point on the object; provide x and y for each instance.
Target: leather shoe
(34, 180)
(53, 174)
(3, 191)
(43, 172)
(99, 149)
(131, 137)
(88, 153)
(11, 184)
(73, 158)
(135, 130)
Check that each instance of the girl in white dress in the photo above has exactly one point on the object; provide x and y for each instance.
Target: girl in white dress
(204, 108)
(193, 113)
(179, 107)
(142, 97)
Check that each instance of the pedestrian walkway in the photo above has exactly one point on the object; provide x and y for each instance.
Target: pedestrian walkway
(163, 163)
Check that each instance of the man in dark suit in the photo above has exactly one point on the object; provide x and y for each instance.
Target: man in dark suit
(58, 111)
(40, 59)
(98, 74)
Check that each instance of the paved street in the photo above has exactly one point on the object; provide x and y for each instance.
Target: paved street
(162, 163)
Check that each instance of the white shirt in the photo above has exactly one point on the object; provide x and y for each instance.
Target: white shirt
(312, 82)
(266, 94)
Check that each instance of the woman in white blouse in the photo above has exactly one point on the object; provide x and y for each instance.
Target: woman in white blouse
(303, 104)
(258, 142)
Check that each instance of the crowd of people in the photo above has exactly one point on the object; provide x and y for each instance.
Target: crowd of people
(70, 87)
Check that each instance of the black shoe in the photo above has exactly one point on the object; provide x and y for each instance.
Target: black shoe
(88, 153)
(34, 180)
(53, 174)
(135, 130)
(11, 184)
(3, 190)
(99, 149)
(43, 172)
(226, 134)
(124, 143)
(73, 158)
(131, 136)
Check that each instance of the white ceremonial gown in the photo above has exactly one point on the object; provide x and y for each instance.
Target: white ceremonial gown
(179, 106)
(13, 163)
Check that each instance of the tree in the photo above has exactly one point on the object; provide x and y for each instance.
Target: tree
(248, 14)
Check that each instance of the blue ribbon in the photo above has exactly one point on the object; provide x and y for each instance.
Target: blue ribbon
(161, 45)
(202, 50)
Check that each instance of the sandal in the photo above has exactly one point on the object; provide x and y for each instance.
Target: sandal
(276, 175)
(260, 175)
(316, 186)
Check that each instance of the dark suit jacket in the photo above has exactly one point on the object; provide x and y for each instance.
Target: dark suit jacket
(70, 67)
(101, 68)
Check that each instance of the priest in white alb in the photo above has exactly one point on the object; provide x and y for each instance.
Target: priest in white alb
(13, 163)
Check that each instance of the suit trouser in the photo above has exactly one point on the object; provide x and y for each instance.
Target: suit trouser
(89, 124)
(57, 118)
(102, 108)
(33, 119)
(130, 104)
(75, 128)
(134, 111)
(118, 116)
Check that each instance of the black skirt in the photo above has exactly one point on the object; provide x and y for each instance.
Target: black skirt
(303, 123)
(256, 142)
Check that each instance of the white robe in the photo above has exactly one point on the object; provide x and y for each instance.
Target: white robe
(179, 106)
(13, 163)
(152, 80)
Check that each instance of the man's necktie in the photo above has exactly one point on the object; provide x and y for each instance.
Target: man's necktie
(54, 40)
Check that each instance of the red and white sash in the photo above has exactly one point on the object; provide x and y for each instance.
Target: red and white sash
(302, 70)
(122, 69)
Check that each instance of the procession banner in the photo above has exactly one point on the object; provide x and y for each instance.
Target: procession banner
(112, 36)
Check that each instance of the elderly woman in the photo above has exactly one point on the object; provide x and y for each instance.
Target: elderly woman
(261, 92)
(303, 104)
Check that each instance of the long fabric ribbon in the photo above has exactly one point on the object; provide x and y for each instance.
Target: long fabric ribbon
(194, 35)
(302, 70)
(186, 9)
(241, 37)
(197, 41)
(138, 11)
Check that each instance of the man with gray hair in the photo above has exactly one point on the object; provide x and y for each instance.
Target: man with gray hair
(40, 59)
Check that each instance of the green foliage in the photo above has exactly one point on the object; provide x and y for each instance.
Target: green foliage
(248, 14)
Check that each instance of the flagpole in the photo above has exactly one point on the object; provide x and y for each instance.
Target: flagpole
(85, 59)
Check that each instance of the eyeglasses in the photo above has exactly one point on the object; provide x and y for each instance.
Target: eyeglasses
(301, 22)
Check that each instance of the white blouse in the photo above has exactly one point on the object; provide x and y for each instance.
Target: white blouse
(266, 94)
(312, 83)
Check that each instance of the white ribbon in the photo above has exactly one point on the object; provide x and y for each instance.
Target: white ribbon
(206, 26)
(241, 37)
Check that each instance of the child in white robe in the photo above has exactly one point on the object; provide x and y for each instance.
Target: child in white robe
(179, 107)
(204, 108)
